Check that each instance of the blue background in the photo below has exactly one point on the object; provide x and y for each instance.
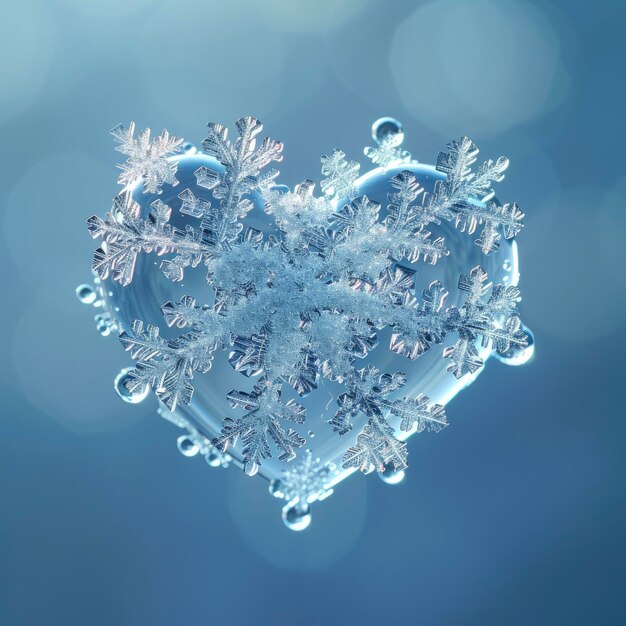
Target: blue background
(514, 515)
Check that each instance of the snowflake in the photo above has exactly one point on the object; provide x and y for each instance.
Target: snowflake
(305, 481)
(147, 159)
(340, 174)
(387, 153)
(308, 302)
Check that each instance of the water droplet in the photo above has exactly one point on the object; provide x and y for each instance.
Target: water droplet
(297, 516)
(187, 446)
(388, 127)
(392, 476)
(86, 294)
(519, 356)
(120, 383)
(276, 489)
(250, 468)
(214, 458)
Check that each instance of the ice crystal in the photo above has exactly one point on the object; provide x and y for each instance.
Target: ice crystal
(307, 303)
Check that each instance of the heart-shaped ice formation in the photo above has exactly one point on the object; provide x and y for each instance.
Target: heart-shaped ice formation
(302, 336)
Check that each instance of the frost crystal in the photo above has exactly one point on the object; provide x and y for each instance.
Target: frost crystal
(308, 302)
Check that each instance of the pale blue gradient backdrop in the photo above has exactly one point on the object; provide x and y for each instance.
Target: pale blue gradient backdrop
(514, 515)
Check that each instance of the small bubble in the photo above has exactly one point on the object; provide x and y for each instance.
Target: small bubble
(297, 516)
(311, 434)
(86, 294)
(507, 266)
(137, 395)
(187, 446)
(387, 127)
(188, 147)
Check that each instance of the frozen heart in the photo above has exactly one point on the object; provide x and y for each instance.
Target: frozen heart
(304, 335)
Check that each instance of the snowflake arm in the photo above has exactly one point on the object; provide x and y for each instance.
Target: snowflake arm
(241, 162)
(456, 163)
(468, 195)
(264, 411)
(125, 235)
(375, 449)
(495, 321)
(495, 219)
(418, 413)
(464, 357)
(166, 366)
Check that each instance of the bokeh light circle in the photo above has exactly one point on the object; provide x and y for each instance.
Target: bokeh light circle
(225, 65)
(576, 240)
(27, 47)
(334, 531)
(477, 67)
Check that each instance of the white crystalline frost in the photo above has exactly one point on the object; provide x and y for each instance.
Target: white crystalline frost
(308, 302)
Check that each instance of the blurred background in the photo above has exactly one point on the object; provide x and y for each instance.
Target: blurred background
(514, 515)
